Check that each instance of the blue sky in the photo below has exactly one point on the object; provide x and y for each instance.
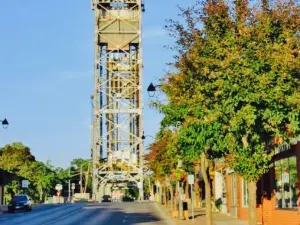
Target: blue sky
(46, 69)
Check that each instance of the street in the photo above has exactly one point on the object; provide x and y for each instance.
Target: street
(87, 214)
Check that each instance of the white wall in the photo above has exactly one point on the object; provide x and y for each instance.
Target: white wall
(218, 185)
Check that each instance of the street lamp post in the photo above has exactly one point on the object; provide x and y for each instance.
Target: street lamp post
(144, 136)
(4, 123)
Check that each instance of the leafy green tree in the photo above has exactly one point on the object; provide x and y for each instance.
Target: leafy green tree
(44, 178)
(163, 157)
(85, 165)
(236, 84)
(11, 189)
(15, 158)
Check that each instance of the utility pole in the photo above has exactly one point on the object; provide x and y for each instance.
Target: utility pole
(69, 191)
(81, 179)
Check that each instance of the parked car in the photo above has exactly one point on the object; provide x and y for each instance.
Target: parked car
(106, 198)
(19, 202)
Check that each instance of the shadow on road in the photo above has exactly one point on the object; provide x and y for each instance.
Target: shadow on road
(128, 215)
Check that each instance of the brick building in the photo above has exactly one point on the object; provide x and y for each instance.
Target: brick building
(278, 190)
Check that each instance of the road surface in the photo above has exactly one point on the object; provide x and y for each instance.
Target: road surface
(87, 214)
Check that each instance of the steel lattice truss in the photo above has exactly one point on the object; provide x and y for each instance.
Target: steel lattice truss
(117, 149)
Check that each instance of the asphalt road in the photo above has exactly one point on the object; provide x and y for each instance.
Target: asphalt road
(87, 214)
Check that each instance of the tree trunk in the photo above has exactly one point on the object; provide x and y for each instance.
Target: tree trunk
(87, 178)
(161, 194)
(165, 196)
(252, 203)
(197, 186)
(212, 183)
(41, 194)
(152, 191)
(204, 167)
(177, 195)
(172, 197)
(187, 195)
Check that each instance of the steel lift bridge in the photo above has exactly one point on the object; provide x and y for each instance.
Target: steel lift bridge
(117, 145)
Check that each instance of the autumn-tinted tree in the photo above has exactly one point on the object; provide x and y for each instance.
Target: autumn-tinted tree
(162, 159)
(239, 73)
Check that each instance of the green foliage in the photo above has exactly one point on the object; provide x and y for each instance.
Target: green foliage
(236, 85)
(131, 194)
(17, 159)
(163, 155)
(76, 165)
(178, 175)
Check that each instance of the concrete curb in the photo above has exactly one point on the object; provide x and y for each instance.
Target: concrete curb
(167, 218)
(3, 209)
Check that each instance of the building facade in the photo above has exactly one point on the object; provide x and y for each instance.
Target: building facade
(277, 191)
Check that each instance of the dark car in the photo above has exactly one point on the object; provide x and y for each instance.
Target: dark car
(19, 202)
(106, 198)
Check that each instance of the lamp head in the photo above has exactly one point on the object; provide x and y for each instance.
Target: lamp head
(151, 90)
(5, 123)
(143, 136)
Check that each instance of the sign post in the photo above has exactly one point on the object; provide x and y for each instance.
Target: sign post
(191, 182)
(58, 187)
(73, 188)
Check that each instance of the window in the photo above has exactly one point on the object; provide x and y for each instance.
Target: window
(245, 202)
(19, 198)
(286, 183)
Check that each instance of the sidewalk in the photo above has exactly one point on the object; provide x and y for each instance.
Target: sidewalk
(3, 208)
(218, 218)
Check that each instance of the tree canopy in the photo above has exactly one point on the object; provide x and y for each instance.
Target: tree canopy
(236, 80)
(236, 84)
(17, 159)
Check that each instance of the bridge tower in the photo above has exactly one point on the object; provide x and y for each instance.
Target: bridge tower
(117, 145)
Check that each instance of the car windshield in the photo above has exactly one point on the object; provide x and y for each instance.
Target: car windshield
(19, 198)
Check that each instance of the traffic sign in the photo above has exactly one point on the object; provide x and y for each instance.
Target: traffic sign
(191, 179)
(58, 187)
(73, 186)
(25, 183)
